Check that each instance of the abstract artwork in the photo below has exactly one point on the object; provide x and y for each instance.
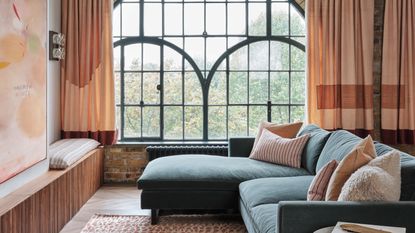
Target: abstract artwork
(23, 32)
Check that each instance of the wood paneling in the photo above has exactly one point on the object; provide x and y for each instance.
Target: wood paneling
(47, 203)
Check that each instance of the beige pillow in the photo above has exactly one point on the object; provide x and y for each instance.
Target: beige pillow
(379, 180)
(358, 157)
(289, 130)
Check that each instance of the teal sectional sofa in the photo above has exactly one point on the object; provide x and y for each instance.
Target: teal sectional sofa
(270, 197)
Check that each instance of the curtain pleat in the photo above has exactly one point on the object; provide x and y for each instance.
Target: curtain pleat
(398, 73)
(340, 64)
(87, 77)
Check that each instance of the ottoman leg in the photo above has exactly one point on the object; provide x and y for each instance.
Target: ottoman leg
(154, 216)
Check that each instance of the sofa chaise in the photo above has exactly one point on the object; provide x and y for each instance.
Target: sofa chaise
(270, 197)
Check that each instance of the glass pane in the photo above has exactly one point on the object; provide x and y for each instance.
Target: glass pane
(238, 87)
(193, 123)
(280, 114)
(215, 19)
(236, 19)
(132, 57)
(297, 113)
(297, 59)
(173, 119)
(238, 60)
(193, 18)
(151, 57)
(214, 48)
(130, 19)
(298, 87)
(238, 121)
(297, 22)
(280, 19)
(195, 48)
(217, 91)
(172, 59)
(178, 41)
(118, 120)
(280, 56)
(117, 58)
(117, 82)
(192, 89)
(258, 56)
(151, 121)
(173, 19)
(152, 19)
(280, 87)
(258, 87)
(173, 88)
(150, 93)
(217, 122)
(116, 24)
(257, 19)
(235, 40)
(132, 122)
(132, 88)
(257, 114)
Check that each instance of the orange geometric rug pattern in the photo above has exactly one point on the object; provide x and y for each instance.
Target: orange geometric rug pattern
(167, 224)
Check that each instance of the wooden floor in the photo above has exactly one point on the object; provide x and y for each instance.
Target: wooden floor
(108, 200)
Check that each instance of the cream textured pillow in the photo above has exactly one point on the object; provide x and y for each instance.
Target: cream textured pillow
(283, 130)
(379, 180)
(358, 157)
(318, 187)
(275, 149)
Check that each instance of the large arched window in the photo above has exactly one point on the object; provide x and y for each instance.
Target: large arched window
(207, 70)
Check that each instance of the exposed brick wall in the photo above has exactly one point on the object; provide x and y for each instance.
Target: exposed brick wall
(124, 163)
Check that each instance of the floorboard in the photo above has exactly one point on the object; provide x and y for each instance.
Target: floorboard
(123, 200)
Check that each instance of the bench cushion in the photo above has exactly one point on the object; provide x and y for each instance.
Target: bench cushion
(273, 190)
(66, 152)
(208, 172)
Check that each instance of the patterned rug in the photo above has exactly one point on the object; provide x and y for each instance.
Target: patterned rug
(167, 224)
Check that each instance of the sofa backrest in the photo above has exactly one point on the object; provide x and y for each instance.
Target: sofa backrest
(342, 142)
(314, 146)
(337, 147)
(407, 171)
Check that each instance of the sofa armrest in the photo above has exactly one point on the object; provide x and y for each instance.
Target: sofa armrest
(240, 146)
(306, 217)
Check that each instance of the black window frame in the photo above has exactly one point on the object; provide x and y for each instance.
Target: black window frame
(204, 82)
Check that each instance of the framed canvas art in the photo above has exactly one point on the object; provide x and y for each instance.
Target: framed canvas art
(23, 32)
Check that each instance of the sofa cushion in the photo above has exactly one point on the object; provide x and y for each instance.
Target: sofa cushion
(339, 144)
(359, 156)
(379, 180)
(283, 130)
(275, 149)
(273, 190)
(314, 146)
(265, 218)
(208, 172)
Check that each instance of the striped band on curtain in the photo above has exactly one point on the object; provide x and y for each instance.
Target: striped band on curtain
(87, 76)
(340, 64)
(398, 73)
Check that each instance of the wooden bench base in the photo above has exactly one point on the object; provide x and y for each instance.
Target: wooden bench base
(47, 203)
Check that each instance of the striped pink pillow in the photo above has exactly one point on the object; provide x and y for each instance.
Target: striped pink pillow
(275, 149)
(318, 187)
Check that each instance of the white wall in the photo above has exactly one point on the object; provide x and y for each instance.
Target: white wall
(53, 111)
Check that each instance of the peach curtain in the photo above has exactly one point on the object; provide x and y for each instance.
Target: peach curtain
(87, 77)
(339, 64)
(398, 73)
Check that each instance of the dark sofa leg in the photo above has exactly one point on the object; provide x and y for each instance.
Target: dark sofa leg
(154, 216)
